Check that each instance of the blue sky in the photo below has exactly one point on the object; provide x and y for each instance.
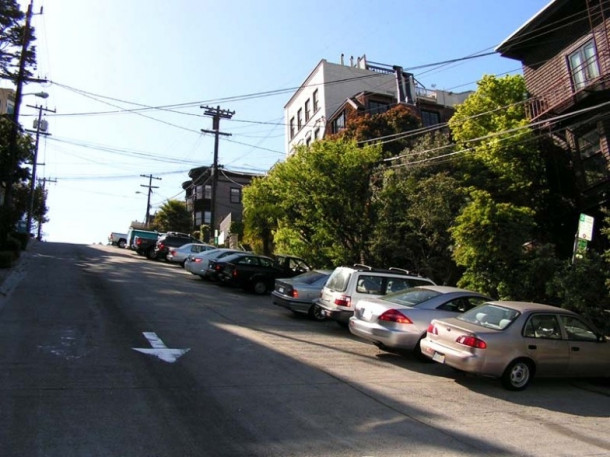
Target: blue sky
(103, 59)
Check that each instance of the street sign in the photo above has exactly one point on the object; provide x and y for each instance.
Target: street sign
(585, 227)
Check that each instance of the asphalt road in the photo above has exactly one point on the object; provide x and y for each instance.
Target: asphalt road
(104, 353)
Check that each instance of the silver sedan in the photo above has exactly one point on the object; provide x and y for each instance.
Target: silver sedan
(197, 264)
(298, 293)
(399, 321)
(515, 341)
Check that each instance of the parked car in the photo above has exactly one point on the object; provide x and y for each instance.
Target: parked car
(180, 254)
(117, 239)
(251, 271)
(198, 264)
(171, 240)
(515, 341)
(346, 286)
(298, 294)
(399, 321)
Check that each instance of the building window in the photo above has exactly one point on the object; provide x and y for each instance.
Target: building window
(307, 111)
(207, 217)
(235, 196)
(198, 192)
(594, 164)
(316, 134)
(197, 218)
(308, 140)
(207, 192)
(583, 65)
(291, 128)
(430, 118)
(299, 119)
(377, 107)
(316, 105)
(338, 124)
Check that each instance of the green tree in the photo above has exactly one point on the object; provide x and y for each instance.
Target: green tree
(418, 201)
(173, 216)
(12, 34)
(261, 213)
(317, 204)
(489, 238)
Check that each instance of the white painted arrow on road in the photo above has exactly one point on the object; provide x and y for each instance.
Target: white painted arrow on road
(160, 350)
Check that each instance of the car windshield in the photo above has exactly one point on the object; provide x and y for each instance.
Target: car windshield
(339, 279)
(411, 297)
(490, 316)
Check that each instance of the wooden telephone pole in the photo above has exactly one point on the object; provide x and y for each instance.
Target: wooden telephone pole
(216, 114)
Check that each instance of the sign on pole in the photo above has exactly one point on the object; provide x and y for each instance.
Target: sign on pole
(585, 227)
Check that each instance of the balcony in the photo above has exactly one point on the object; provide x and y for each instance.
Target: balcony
(565, 94)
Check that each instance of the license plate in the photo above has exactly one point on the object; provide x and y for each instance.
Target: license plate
(438, 357)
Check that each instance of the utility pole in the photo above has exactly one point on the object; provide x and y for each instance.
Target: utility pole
(150, 188)
(216, 114)
(44, 183)
(40, 129)
(12, 141)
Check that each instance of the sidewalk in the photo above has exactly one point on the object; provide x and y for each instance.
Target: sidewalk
(10, 276)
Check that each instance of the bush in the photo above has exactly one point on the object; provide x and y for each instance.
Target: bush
(22, 239)
(6, 259)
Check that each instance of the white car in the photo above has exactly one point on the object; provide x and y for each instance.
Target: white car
(197, 264)
(180, 254)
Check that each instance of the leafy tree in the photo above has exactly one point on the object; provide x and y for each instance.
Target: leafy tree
(12, 34)
(261, 213)
(390, 126)
(489, 238)
(418, 201)
(317, 204)
(173, 216)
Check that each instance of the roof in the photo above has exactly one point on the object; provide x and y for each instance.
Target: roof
(555, 9)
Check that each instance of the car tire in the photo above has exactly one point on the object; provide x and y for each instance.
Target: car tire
(518, 374)
(315, 313)
(259, 286)
(151, 254)
(122, 244)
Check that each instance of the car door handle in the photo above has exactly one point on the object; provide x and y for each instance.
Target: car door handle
(532, 346)
(575, 348)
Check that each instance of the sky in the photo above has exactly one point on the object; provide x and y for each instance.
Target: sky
(128, 78)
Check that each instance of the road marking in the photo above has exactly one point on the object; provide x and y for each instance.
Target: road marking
(160, 350)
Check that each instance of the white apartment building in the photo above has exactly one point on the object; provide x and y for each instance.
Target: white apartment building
(329, 85)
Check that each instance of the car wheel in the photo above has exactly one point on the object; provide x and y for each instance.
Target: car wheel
(518, 374)
(315, 313)
(122, 243)
(419, 355)
(151, 254)
(182, 263)
(259, 287)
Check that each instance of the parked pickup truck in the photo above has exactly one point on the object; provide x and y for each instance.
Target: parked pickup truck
(145, 246)
(118, 239)
(147, 234)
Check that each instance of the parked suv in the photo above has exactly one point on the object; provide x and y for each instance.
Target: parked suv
(171, 240)
(347, 285)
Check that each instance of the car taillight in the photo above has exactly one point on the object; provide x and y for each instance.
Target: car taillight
(138, 241)
(172, 252)
(432, 329)
(471, 341)
(196, 260)
(234, 273)
(161, 246)
(393, 315)
(295, 293)
(217, 267)
(343, 300)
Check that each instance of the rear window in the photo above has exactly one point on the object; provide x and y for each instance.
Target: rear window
(339, 280)
(310, 277)
(490, 316)
(411, 297)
